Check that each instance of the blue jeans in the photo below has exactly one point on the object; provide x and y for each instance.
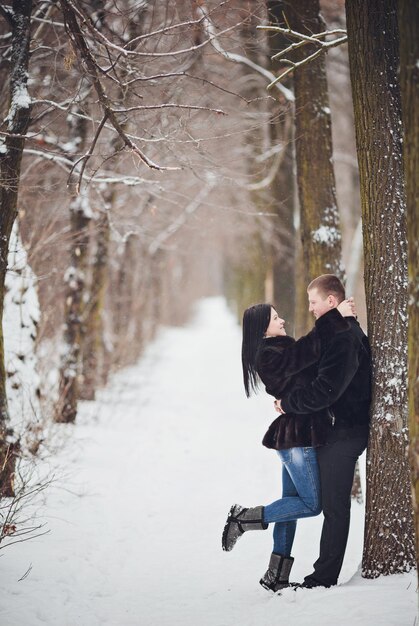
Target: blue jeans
(300, 496)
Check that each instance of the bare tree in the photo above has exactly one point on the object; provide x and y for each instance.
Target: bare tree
(319, 216)
(282, 187)
(76, 274)
(409, 77)
(11, 149)
(374, 59)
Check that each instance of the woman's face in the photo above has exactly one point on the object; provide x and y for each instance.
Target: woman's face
(276, 325)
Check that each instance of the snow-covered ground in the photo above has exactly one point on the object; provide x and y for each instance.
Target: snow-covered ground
(144, 488)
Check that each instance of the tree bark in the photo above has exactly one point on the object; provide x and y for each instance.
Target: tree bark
(75, 276)
(93, 344)
(75, 279)
(258, 272)
(319, 215)
(374, 59)
(409, 79)
(282, 191)
(11, 150)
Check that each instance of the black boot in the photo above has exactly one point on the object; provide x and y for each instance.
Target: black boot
(312, 583)
(238, 521)
(278, 573)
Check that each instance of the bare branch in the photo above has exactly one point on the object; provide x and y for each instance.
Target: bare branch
(293, 65)
(85, 158)
(69, 5)
(303, 40)
(8, 16)
(169, 105)
(81, 48)
(107, 177)
(238, 58)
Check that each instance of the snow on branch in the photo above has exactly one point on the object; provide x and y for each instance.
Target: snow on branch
(108, 178)
(7, 14)
(317, 39)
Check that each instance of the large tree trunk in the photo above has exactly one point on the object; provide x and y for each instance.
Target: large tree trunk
(374, 60)
(76, 274)
(319, 216)
(75, 279)
(409, 76)
(282, 190)
(11, 150)
(258, 272)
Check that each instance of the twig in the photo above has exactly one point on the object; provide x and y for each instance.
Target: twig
(26, 574)
(151, 107)
(85, 158)
(303, 40)
(112, 178)
(295, 66)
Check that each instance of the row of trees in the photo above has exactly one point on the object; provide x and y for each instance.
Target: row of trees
(147, 164)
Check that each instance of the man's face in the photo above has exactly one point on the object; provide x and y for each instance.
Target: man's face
(318, 305)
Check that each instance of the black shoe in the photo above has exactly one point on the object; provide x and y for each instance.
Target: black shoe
(312, 583)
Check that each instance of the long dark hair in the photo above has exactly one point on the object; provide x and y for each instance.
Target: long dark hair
(255, 323)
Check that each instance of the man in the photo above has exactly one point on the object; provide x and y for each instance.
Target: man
(343, 385)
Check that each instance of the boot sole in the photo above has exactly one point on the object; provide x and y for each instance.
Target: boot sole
(278, 591)
(227, 528)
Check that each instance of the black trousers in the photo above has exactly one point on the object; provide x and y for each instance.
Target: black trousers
(337, 461)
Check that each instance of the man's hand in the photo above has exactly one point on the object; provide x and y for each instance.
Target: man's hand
(347, 308)
(278, 407)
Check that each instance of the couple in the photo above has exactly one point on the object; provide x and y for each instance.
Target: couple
(322, 386)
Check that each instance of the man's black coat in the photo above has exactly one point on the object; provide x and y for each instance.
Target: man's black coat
(286, 366)
(343, 381)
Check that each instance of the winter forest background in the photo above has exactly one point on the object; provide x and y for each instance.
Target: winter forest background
(150, 158)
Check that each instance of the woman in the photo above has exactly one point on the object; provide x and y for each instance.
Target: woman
(281, 363)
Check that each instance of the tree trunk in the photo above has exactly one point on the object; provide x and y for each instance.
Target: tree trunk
(409, 78)
(374, 60)
(76, 274)
(75, 279)
(96, 357)
(93, 346)
(320, 231)
(255, 274)
(319, 216)
(282, 191)
(356, 493)
(126, 294)
(11, 150)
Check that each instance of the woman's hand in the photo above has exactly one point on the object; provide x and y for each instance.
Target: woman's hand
(278, 407)
(347, 308)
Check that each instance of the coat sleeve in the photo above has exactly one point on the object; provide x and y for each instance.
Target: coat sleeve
(337, 367)
(291, 359)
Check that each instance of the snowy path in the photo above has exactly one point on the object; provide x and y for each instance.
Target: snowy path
(151, 472)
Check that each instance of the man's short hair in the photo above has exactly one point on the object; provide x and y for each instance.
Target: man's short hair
(328, 284)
